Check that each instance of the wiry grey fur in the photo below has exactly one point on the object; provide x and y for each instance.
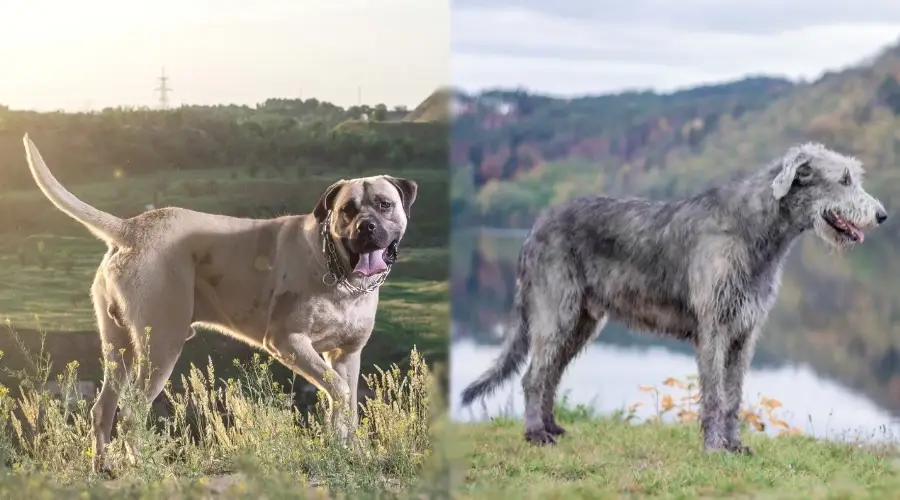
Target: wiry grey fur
(704, 269)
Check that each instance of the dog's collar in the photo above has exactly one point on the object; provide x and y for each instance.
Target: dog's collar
(336, 275)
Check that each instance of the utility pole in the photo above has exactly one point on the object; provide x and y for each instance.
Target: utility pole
(359, 96)
(163, 90)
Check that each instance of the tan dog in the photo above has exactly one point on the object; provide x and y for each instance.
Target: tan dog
(302, 287)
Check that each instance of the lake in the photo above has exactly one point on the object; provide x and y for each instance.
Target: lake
(609, 373)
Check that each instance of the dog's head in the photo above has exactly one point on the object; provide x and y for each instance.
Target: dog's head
(823, 190)
(368, 216)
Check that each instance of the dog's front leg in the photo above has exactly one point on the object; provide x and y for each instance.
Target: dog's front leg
(297, 353)
(347, 364)
(711, 344)
(737, 362)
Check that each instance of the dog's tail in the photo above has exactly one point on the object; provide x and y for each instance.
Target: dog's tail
(515, 348)
(105, 226)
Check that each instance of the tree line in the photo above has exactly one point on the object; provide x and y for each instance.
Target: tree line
(280, 133)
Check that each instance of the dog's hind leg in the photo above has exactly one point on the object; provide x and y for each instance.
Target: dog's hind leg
(555, 312)
(586, 329)
(159, 315)
(118, 358)
(168, 335)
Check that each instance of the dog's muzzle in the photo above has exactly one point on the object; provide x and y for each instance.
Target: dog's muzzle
(374, 249)
(842, 226)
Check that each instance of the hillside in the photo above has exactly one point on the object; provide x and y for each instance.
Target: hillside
(838, 314)
(435, 108)
(503, 133)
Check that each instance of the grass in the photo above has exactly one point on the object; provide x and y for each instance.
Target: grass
(660, 457)
(263, 445)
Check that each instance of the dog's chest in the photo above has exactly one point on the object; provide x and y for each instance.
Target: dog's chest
(746, 298)
(332, 324)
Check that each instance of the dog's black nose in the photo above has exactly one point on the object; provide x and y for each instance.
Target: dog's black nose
(880, 216)
(366, 226)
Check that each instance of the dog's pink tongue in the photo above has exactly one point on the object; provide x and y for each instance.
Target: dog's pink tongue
(370, 263)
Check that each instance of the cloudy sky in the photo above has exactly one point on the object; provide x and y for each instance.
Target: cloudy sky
(60, 54)
(593, 46)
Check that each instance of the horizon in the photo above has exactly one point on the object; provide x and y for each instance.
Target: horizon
(623, 91)
(254, 105)
(223, 52)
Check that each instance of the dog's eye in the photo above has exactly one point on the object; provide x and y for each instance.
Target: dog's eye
(386, 205)
(845, 180)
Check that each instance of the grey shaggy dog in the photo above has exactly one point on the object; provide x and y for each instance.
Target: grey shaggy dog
(705, 269)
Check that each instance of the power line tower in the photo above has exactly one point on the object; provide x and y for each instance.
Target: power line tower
(163, 90)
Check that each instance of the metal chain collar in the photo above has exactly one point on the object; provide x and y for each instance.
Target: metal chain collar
(336, 275)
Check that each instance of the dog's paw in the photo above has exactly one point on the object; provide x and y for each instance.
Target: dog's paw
(554, 429)
(104, 471)
(739, 448)
(715, 446)
(539, 437)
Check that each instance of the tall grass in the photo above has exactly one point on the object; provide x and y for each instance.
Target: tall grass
(216, 430)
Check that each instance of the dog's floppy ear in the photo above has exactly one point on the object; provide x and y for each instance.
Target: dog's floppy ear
(408, 190)
(326, 202)
(794, 167)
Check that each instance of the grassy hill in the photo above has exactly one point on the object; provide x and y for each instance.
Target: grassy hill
(837, 313)
(435, 108)
(427, 122)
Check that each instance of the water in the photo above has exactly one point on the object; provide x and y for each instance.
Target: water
(607, 375)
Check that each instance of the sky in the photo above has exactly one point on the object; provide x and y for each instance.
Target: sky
(576, 47)
(59, 54)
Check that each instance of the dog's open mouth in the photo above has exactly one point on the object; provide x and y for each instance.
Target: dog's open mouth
(375, 261)
(842, 226)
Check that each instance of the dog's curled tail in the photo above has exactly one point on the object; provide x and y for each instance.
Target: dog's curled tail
(515, 349)
(105, 226)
